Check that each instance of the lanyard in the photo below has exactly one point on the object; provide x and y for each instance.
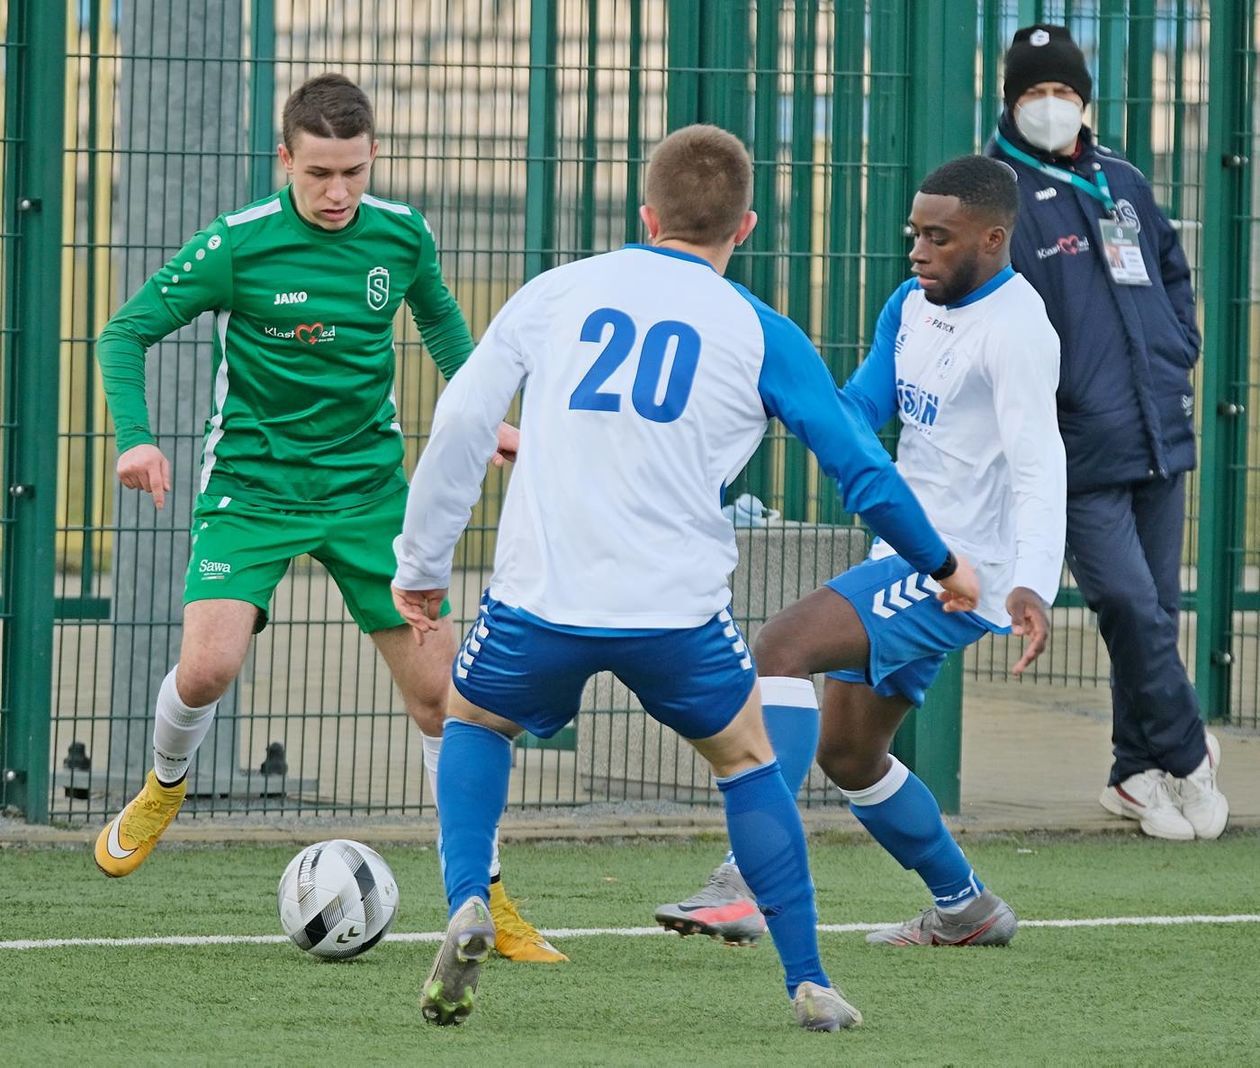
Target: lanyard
(1100, 191)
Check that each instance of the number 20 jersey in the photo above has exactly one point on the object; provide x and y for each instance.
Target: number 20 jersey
(649, 379)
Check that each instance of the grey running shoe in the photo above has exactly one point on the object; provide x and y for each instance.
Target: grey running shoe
(447, 995)
(821, 1008)
(723, 909)
(986, 921)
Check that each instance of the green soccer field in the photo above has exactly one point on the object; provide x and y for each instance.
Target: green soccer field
(1141, 993)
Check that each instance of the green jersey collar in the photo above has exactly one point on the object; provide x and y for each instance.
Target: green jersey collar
(318, 233)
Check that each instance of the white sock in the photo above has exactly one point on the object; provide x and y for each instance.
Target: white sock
(955, 907)
(177, 731)
(432, 745)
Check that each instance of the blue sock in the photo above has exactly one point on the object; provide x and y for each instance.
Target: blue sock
(769, 840)
(903, 817)
(472, 791)
(790, 708)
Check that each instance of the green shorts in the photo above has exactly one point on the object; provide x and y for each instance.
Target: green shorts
(240, 552)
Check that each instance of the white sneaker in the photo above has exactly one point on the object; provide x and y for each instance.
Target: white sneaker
(1201, 802)
(1147, 797)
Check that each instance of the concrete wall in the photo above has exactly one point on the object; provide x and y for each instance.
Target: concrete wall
(622, 753)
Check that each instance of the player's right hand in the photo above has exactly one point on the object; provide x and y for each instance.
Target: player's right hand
(143, 467)
(961, 591)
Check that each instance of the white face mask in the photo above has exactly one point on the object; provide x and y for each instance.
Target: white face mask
(1049, 123)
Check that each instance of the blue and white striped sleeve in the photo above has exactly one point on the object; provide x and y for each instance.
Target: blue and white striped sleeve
(873, 386)
(797, 388)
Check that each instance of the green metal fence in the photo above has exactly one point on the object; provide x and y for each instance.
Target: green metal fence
(520, 128)
(1157, 65)
(1150, 62)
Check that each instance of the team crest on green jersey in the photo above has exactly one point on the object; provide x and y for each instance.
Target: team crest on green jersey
(378, 288)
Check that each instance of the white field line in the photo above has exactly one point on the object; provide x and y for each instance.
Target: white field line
(596, 932)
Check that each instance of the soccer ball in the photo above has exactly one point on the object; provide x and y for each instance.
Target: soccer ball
(337, 899)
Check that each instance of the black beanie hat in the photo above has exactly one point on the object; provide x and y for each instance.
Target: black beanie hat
(1044, 53)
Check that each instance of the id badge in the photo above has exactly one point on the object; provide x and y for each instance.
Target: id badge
(1124, 253)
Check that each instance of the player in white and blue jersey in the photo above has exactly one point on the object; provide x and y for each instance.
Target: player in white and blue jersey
(650, 380)
(965, 356)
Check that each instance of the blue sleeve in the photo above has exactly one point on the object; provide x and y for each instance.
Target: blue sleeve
(873, 386)
(797, 388)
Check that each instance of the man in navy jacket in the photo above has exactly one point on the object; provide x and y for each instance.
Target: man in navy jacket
(1107, 263)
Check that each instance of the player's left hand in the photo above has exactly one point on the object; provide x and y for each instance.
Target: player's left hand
(961, 591)
(420, 608)
(1031, 620)
(509, 444)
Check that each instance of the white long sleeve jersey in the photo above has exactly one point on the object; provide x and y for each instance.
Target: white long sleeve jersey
(974, 386)
(649, 379)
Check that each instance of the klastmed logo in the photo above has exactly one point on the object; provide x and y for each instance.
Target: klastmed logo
(1067, 245)
(214, 569)
(307, 333)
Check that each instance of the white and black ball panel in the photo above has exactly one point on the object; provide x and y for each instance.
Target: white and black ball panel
(337, 899)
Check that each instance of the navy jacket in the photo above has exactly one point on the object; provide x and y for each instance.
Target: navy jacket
(1125, 402)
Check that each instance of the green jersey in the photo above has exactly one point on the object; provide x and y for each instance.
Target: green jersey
(303, 414)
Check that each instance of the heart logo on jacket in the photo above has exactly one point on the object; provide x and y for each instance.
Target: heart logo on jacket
(310, 332)
(1070, 244)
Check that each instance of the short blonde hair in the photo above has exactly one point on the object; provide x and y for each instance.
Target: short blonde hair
(699, 183)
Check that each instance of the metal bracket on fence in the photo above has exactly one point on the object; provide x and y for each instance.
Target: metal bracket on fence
(21, 489)
(1233, 159)
(11, 775)
(1223, 658)
(1230, 409)
(29, 204)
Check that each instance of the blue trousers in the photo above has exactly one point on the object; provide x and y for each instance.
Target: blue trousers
(1124, 548)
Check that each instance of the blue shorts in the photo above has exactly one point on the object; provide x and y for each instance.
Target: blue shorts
(532, 672)
(910, 633)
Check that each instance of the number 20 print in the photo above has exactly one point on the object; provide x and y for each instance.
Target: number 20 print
(589, 397)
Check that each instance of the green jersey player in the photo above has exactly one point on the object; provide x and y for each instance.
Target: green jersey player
(303, 451)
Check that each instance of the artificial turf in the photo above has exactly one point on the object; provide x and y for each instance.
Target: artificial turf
(1104, 995)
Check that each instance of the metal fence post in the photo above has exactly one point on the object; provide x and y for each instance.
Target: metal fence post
(1225, 309)
(262, 98)
(682, 85)
(201, 84)
(590, 128)
(540, 142)
(842, 295)
(942, 66)
(1139, 93)
(634, 131)
(709, 60)
(33, 212)
(1108, 102)
(762, 245)
(796, 467)
(1028, 11)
